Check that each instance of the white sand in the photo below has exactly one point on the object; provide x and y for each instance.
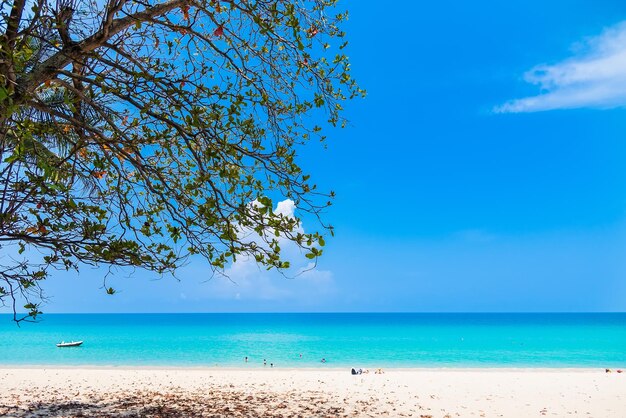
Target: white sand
(312, 392)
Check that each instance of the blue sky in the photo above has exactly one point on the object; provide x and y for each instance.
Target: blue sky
(485, 171)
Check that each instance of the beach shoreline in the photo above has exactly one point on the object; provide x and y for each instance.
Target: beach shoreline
(333, 368)
(252, 392)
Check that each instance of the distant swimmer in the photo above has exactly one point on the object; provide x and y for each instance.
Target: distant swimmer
(264, 362)
(323, 360)
(246, 359)
(271, 364)
(300, 355)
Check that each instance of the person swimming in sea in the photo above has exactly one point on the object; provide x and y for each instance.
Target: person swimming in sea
(323, 360)
(246, 359)
(264, 362)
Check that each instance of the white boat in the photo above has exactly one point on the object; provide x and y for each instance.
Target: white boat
(70, 344)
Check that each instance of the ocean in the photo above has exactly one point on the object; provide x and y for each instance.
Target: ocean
(303, 340)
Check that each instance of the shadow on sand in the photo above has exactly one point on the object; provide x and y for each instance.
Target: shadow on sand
(213, 403)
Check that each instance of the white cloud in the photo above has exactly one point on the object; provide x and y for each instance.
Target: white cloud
(286, 208)
(244, 279)
(593, 78)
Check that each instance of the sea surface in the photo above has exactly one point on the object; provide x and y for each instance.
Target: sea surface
(303, 340)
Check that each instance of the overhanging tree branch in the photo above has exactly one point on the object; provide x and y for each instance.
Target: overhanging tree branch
(140, 134)
(76, 51)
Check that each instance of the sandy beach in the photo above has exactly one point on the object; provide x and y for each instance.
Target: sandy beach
(75, 392)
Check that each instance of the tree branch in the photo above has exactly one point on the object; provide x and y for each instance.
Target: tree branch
(49, 68)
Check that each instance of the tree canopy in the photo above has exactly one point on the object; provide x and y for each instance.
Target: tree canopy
(138, 133)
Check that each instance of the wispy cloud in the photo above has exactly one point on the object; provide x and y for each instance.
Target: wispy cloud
(475, 236)
(244, 280)
(593, 78)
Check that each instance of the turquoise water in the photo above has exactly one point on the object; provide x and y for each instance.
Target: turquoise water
(364, 340)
